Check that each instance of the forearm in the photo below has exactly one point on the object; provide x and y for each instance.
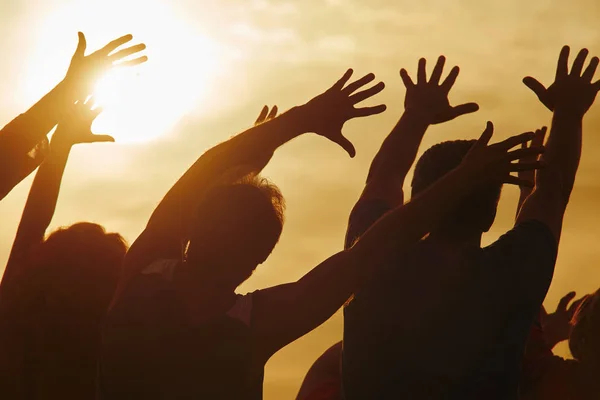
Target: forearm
(399, 150)
(42, 199)
(561, 158)
(31, 127)
(248, 152)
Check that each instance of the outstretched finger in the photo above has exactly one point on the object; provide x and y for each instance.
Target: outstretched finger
(579, 61)
(540, 135)
(437, 70)
(485, 137)
(526, 166)
(466, 108)
(101, 139)
(406, 78)
(564, 302)
(562, 68)
(516, 140)
(365, 94)
(131, 63)
(119, 55)
(345, 144)
(366, 111)
(535, 86)
(421, 71)
(589, 72)
(525, 153)
(113, 45)
(273, 113)
(81, 45)
(513, 180)
(262, 116)
(450, 79)
(343, 80)
(352, 87)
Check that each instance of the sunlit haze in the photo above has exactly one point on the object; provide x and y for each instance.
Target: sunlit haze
(213, 64)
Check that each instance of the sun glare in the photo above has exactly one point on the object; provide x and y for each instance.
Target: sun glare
(142, 102)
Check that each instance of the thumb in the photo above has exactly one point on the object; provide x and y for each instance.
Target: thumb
(345, 144)
(535, 86)
(81, 45)
(564, 302)
(462, 109)
(485, 137)
(101, 139)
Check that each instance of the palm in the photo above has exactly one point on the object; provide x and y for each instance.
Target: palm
(76, 126)
(429, 99)
(327, 113)
(572, 90)
(84, 71)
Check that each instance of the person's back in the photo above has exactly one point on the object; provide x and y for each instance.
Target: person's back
(193, 361)
(446, 329)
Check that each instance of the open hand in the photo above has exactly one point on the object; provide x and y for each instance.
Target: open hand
(430, 99)
(76, 126)
(528, 176)
(327, 113)
(557, 326)
(572, 91)
(84, 71)
(494, 163)
(265, 115)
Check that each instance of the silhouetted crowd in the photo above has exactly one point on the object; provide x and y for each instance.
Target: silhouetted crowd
(428, 312)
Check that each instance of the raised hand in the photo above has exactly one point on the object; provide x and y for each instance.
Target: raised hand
(265, 115)
(76, 126)
(327, 113)
(573, 91)
(84, 70)
(557, 326)
(537, 142)
(429, 99)
(494, 163)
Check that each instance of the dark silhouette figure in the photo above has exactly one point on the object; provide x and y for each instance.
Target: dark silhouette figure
(55, 291)
(323, 381)
(23, 142)
(546, 376)
(178, 329)
(443, 324)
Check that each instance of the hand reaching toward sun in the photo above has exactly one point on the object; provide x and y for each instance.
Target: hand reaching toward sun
(85, 71)
(76, 126)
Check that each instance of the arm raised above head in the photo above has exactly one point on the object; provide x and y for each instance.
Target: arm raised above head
(569, 97)
(284, 313)
(249, 152)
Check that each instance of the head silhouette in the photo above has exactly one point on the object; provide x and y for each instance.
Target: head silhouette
(584, 341)
(71, 278)
(235, 229)
(477, 212)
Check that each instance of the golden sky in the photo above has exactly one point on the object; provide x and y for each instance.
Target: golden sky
(214, 63)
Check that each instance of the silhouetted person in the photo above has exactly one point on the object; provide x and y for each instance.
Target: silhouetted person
(452, 319)
(23, 141)
(55, 290)
(177, 328)
(323, 381)
(549, 377)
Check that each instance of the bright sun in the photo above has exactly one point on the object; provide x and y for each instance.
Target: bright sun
(145, 101)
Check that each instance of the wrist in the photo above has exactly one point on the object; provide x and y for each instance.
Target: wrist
(417, 117)
(566, 112)
(59, 146)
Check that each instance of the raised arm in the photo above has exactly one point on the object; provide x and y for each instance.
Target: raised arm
(569, 97)
(22, 135)
(246, 153)
(75, 127)
(284, 313)
(426, 103)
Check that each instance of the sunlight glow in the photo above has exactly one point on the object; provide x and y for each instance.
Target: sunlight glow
(141, 102)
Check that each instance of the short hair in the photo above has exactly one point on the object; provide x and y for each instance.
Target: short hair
(437, 161)
(475, 212)
(249, 208)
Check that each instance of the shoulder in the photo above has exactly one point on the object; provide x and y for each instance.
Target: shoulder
(364, 214)
(242, 309)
